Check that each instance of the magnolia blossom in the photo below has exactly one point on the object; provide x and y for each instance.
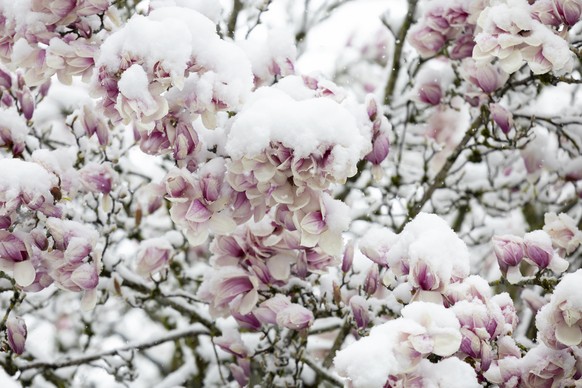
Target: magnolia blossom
(560, 321)
(204, 203)
(539, 252)
(430, 253)
(509, 251)
(481, 324)
(230, 289)
(153, 255)
(231, 342)
(543, 367)
(16, 333)
(517, 38)
(563, 231)
(98, 178)
(295, 317)
(398, 346)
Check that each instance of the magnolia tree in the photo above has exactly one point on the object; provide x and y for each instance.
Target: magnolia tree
(181, 203)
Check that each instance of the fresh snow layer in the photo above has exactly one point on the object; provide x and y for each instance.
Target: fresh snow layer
(18, 176)
(309, 127)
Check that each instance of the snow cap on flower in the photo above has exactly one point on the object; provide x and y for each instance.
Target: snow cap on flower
(559, 322)
(563, 231)
(539, 252)
(430, 252)
(398, 346)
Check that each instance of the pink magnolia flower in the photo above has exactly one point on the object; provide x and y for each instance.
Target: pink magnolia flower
(295, 317)
(359, 308)
(568, 11)
(559, 322)
(425, 40)
(153, 255)
(488, 77)
(509, 251)
(563, 231)
(546, 367)
(268, 310)
(398, 346)
(94, 124)
(230, 289)
(203, 202)
(502, 117)
(519, 38)
(16, 333)
(230, 341)
(98, 178)
(430, 93)
(539, 252)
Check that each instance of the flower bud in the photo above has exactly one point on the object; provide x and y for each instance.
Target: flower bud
(502, 117)
(348, 257)
(153, 255)
(359, 308)
(295, 317)
(508, 251)
(372, 280)
(430, 93)
(538, 248)
(16, 333)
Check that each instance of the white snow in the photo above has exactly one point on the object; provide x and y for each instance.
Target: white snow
(19, 176)
(133, 83)
(308, 127)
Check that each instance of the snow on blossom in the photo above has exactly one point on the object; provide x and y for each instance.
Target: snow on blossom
(272, 54)
(398, 346)
(448, 373)
(26, 183)
(563, 231)
(314, 126)
(430, 253)
(543, 366)
(164, 50)
(13, 130)
(539, 252)
(559, 322)
(508, 32)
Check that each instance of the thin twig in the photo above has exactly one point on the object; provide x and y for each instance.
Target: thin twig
(398, 46)
(439, 179)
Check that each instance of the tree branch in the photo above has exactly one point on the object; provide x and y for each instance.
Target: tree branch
(439, 179)
(321, 372)
(172, 336)
(398, 46)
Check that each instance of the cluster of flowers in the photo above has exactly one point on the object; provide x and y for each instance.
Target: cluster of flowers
(446, 23)
(48, 249)
(541, 248)
(458, 317)
(55, 37)
(159, 73)
(514, 31)
(527, 33)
